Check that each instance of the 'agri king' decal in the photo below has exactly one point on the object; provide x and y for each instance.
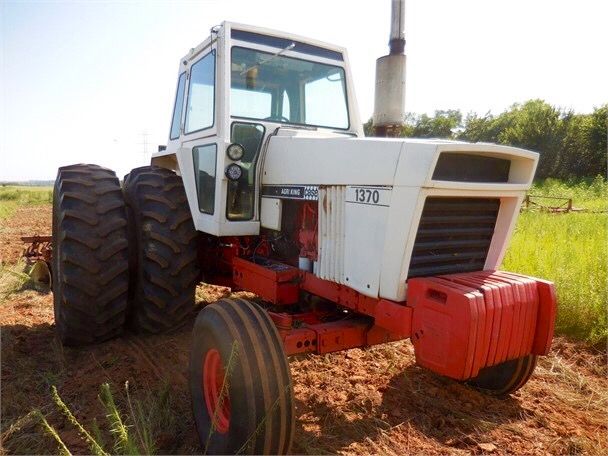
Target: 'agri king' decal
(302, 192)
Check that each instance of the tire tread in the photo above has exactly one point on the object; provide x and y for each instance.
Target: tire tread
(160, 299)
(90, 261)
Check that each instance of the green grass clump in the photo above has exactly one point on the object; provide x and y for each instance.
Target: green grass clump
(571, 250)
(13, 279)
(12, 197)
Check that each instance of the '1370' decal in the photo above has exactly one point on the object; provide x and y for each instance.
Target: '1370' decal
(375, 196)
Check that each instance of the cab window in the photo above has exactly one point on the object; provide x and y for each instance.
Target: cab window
(282, 89)
(205, 158)
(177, 108)
(241, 193)
(201, 95)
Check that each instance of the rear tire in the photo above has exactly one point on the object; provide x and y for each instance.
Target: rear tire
(256, 416)
(90, 255)
(164, 249)
(505, 378)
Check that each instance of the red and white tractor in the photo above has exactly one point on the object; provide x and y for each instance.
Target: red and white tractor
(268, 185)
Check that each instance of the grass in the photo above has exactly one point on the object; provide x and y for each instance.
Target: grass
(14, 196)
(15, 278)
(571, 250)
(132, 429)
(590, 194)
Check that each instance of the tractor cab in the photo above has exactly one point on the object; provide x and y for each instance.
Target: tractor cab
(235, 90)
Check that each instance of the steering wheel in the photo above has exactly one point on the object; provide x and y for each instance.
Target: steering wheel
(278, 118)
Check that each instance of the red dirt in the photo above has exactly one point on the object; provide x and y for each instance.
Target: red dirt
(359, 401)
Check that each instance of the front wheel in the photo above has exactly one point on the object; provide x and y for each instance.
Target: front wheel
(505, 378)
(240, 383)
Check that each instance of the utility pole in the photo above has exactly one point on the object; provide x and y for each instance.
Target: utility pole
(144, 144)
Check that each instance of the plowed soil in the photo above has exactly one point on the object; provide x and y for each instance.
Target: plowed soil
(357, 402)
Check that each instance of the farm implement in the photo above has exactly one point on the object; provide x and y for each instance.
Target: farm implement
(267, 184)
(37, 254)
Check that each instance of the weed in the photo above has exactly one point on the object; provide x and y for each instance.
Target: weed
(147, 417)
(95, 447)
(228, 369)
(143, 421)
(63, 449)
(123, 443)
(262, 423)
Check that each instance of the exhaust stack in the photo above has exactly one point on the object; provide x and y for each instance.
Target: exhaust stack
(389, 103)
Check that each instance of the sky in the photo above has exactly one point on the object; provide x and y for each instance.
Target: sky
(93, 82)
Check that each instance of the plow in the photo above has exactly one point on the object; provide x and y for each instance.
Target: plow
(38, 253)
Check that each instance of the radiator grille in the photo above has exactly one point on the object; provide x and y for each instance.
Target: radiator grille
(330, 263)
(454, 235)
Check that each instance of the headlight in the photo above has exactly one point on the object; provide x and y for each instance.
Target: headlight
(235, 151)
(234, 172)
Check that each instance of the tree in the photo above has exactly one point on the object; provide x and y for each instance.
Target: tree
(598, 141)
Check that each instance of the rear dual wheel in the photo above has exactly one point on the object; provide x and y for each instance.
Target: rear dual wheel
(90, 255)
(240, 382)
(114, 262)
(164, 250)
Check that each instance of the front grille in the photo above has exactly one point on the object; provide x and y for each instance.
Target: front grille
(454, 235)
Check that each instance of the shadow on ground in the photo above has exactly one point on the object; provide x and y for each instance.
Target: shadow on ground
(438, 408)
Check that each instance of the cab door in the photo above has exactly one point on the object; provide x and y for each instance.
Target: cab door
(200, 140)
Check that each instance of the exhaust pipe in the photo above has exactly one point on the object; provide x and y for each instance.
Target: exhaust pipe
(389, 102)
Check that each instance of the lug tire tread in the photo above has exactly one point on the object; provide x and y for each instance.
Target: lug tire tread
(159, 299)
(90, 258)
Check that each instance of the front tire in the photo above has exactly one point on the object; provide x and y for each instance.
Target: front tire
(164, 249)
(90, 255)
(505, 378)
(240, 381)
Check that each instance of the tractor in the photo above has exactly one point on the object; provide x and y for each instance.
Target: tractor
(268, 185)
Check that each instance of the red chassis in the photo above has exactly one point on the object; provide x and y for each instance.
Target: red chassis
(459, 323)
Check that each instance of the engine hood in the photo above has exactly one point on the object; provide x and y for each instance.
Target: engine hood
(313, 159)
(330, 161)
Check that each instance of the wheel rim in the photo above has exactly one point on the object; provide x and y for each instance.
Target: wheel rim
(217, 401)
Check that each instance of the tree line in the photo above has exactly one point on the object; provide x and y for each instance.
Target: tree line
(570, 144)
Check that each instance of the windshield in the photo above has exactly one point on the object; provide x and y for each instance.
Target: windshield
(267, 86)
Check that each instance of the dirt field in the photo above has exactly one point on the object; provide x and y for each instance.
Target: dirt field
(359, 401)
